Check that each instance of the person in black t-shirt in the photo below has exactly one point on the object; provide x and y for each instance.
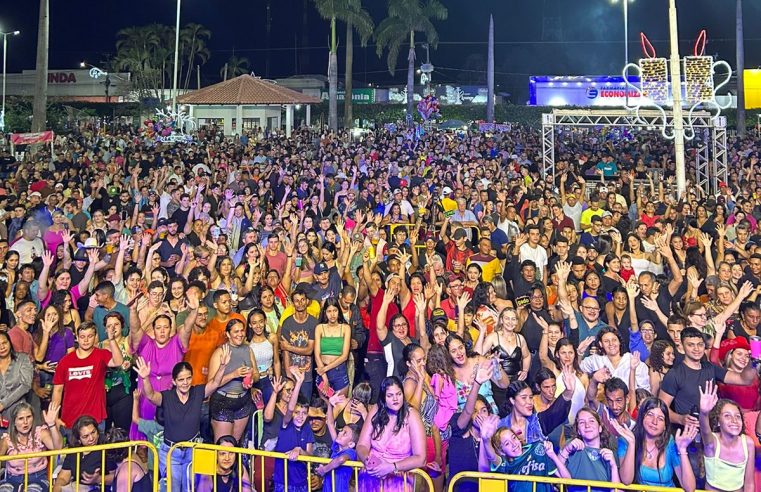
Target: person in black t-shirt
(91, 466)
(182, 411)
(680, 389)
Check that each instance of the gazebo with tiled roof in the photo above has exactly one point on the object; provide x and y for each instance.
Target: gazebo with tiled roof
(246, 97)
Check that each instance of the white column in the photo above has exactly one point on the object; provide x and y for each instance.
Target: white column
(288, 119)
(676, 92)
(239, 119)
(309, 115)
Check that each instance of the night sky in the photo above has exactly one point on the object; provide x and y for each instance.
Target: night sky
(591, 33)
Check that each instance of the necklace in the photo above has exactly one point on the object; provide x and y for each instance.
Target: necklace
(651, 452)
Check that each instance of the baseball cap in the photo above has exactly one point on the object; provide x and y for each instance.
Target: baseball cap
(162, 222)
(439, 316)
(321, 267)
(446, 191)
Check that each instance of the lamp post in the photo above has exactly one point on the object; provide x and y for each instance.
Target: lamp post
(5, 57)
(676, 93)
(176, 57)
(626, 40)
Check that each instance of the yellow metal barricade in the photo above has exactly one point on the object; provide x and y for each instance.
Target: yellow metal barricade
(79, 452)
(204, 462)
(498, 482)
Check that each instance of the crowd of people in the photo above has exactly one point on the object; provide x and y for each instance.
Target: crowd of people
(409, 301)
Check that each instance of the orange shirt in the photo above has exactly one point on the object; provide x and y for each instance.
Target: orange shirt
(203, 345)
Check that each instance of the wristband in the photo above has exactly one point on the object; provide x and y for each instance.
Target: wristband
(396, 470)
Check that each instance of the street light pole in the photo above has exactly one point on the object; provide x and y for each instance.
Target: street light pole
(176, 56)
(626, 46)
(676, 93)
(5, 57)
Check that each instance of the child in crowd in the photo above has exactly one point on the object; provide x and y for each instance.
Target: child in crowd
(344, 442)
(627, 271)
(295, 439)
(442, 382)
(501, 452)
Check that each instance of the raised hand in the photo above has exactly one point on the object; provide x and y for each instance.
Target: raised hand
(685, 436)
(623, 432)
(540, 321)
(47, 258)
(420, 302)
(463, 301)
(297, 374)
(482, 372)
(337, 399)
(745, 290)
(225, 355)
(563, 269)
(278, 383)
(142, 368)
(634, 360)
(632, 289)
(694, 279)
(92, 255)
(601, 375)
(706, 240)
(650, 304)
(50, 416)
(569, 378)
(708, 398)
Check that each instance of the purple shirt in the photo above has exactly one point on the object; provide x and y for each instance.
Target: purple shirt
(58, 345)
(162, 361)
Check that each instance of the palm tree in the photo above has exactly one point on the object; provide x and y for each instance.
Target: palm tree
(333, 10)
(236, 65)
(39, 106)
(358, 18)
(195, 35)
(146, 51)
(740, 51)
(404, 18)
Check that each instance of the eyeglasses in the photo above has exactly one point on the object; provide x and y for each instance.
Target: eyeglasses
(591, 308)
(702, 315)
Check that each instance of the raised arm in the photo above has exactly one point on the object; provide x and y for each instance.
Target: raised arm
(224, 359)
(42, 284)
(298, 376)
(380, 325)
(143, 370)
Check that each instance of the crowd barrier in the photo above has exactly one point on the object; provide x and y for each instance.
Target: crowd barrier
(498, 482)
(57, 456)
(204, 462)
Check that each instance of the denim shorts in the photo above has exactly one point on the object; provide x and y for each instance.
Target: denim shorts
(338, 378)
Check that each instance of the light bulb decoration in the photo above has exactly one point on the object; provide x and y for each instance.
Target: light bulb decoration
(655, 89)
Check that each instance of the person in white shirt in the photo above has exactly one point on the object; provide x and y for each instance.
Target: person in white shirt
(531, 250)
(29, 245)
(403, 204)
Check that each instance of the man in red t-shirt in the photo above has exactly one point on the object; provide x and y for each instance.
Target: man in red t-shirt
(80, 377)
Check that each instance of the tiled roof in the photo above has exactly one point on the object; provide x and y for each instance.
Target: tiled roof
(246, 89)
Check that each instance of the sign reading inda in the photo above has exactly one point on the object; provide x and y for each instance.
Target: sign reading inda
(62, 78)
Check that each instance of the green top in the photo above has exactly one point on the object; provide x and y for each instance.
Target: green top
(331, 345)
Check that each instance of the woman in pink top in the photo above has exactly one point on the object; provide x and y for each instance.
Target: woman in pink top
(62, 278)
(24, 438)
(392, 441)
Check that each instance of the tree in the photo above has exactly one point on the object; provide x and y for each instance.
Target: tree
(358, 18)
(39, 107)
(405, 17)
(236, 65)
(740, 50)
(333, 10)
(193, 39)
(146, 52)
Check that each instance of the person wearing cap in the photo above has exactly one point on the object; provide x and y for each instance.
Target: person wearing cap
(456, 247)
(733, 354)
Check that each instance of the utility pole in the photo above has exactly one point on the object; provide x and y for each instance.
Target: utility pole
(676, 93)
